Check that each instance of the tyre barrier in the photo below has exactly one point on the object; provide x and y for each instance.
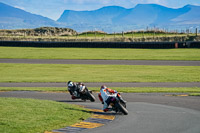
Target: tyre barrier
(150, 45)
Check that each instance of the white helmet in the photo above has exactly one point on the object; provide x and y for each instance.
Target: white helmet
(70, 84)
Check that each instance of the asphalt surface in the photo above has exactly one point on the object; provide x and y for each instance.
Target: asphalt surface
(191, 102)
(116, 84)
(148, 113)
(101, 62)
(153, 118)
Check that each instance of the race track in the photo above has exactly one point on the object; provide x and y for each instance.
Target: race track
(148, 113)
(102, 62)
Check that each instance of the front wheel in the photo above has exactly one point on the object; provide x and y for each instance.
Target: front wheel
(121, 108)
(90, 96)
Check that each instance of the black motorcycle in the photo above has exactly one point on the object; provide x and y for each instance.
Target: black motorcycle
(85, 94)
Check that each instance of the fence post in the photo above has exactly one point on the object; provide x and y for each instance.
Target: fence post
(196, 32)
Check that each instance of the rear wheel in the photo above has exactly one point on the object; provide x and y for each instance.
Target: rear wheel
(91, 97)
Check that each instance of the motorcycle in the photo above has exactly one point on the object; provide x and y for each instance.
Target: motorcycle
(118, 105)
(84, 94)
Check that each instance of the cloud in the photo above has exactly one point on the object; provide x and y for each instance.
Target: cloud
(159, 2)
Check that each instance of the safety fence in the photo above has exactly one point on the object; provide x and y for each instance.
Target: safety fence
(151, 45)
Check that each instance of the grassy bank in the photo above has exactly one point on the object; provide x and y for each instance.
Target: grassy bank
(97, 73)
(36, 116)
(99, 53)
(67, 35)
(193, 90)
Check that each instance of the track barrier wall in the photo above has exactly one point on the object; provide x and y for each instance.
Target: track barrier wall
(150, 45)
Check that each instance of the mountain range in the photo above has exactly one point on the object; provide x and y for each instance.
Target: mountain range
(15, 18)
(108, 19)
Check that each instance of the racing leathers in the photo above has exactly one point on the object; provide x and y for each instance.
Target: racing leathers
(105, 96)
(76, 89)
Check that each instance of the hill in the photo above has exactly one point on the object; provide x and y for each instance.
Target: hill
(116, 19)
(107, 19)
(103, 15)
(189, 18)
(14, 18)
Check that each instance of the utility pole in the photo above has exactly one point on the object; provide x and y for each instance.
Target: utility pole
(196, 32)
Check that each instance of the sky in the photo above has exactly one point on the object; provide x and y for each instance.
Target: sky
(54, 8)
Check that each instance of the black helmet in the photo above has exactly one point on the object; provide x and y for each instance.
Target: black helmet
(103, 87)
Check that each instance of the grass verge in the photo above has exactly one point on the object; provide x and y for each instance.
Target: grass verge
(97, 73)
(36, 116)
(99, 53)
(194, 94)
(119, 89)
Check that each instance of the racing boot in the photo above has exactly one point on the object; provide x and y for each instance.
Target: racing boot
(73, 97)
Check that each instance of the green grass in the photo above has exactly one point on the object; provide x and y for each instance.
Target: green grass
(134, 34)
(119, 89)
(99, 53)
(36, 116)
(194, 94)
(158, 89)
(103, 35)
(97, 73)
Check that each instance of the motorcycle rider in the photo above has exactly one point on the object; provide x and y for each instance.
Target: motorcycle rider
(105, 96)
(75, 89)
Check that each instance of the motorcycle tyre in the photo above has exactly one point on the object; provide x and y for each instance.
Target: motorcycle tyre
(91, 97)
(121, 108)
(123, 104)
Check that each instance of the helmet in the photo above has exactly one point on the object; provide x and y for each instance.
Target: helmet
(70, 84)
(103, 87)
